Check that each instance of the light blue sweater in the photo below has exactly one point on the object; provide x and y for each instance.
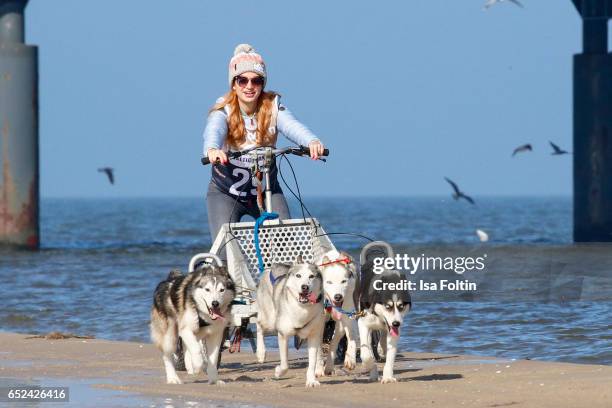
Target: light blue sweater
(215, 132)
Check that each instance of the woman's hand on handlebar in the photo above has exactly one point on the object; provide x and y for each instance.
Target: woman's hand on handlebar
(214, 154)
(316, 149)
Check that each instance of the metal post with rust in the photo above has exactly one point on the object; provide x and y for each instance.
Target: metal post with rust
(19, 201)
(593, 126)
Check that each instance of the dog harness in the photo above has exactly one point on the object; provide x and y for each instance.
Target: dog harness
(273, 279)
(202, 322)
(318, 301)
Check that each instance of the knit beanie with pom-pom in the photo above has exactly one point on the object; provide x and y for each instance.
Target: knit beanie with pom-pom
(245, 59)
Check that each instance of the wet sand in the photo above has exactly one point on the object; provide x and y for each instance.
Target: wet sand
(135, 369)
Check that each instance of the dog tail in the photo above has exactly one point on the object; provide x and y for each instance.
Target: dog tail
(175, 273)
(373, 250)
(376, 249)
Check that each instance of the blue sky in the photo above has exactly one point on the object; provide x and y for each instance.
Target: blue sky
(403, 93)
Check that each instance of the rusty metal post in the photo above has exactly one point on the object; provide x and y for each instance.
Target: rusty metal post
(593, 126)
(19, 223)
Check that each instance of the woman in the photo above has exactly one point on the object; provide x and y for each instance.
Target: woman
(247, 116)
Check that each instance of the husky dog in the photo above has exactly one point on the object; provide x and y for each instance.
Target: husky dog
(290, 301)
(196, 307)
(339, 286)
(384, 310)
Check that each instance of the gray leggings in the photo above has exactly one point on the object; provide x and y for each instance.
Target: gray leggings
(220, 206)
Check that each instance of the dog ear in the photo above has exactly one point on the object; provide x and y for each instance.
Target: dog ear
(350, 264)
(280, 269)
(299, 259)
(317, 271)
(229, 284)
(325, 259)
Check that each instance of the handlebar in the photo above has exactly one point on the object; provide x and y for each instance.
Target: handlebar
(298, 151)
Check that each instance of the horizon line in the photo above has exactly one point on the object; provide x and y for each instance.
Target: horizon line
(289, 197)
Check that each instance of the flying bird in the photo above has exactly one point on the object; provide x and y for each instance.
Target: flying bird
(483, 236)
(557, 150)
(457, 194)
(490, 3)
(109, 173)
(524, 148)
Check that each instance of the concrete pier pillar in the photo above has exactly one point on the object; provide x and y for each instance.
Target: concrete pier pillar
(593, 125)
(19, 191)
(593, 148)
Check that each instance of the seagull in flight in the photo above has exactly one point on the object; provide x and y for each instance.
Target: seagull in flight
(457, 194)
(483, 236)
(557, 150)
(524, 148)
(109, 173)
(490, 3)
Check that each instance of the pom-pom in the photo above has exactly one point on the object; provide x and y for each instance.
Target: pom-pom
(246, 48)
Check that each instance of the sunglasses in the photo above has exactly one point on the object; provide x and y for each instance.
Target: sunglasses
(243, 81)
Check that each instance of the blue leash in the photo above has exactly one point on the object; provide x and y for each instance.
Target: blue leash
(263, 217)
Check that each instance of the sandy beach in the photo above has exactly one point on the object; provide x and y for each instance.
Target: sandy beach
(133, 376)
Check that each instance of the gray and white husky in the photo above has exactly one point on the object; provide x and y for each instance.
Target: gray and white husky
(195, 307)
(340, 286)
(290, 302)
(384, 309)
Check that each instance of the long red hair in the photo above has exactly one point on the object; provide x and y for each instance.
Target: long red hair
(236, 134)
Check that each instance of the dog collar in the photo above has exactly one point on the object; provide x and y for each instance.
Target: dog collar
(345, 261)
(354, 314)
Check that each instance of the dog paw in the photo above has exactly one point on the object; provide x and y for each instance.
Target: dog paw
(173, 380)
(261, 358)
(279, 372)
(349, 364)
(312, 384)
(367, 367)
(319, 372)
(388, 380)
(216, 382)
(196, 368)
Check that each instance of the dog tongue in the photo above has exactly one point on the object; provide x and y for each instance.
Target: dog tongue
(394, 331)
(312, 298)
(215, 314)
